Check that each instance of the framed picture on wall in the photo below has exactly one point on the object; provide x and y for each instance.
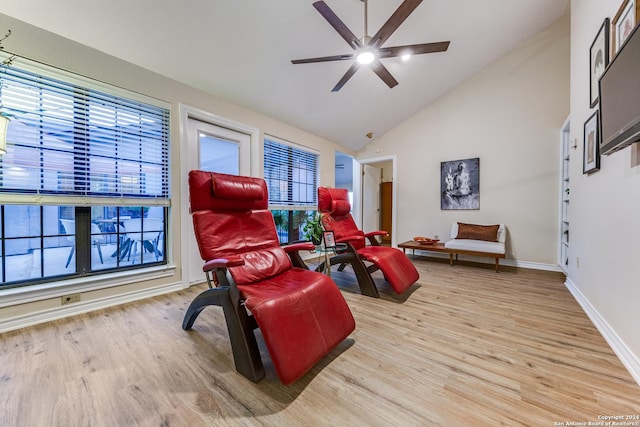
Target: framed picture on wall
(599, 59)
(591, 153)
(460, 184)
(623, 23)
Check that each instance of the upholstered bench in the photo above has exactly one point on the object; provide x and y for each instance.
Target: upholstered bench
(477, 240)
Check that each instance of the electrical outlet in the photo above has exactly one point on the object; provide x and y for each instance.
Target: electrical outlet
(577, 262)
(436, 237)
(68, 299)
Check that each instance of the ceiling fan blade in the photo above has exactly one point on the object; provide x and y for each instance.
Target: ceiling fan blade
(338, 25)
(413, 49)
(383, 73)
(323, 59)
(394, 21)
(350, 72)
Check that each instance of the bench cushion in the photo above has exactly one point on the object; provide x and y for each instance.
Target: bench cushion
(476, 246)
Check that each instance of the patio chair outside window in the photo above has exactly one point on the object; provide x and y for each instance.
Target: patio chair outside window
(147, 234)
(97, 239)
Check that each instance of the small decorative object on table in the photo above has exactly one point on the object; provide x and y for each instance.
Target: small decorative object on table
(425, 240)
(329, 239)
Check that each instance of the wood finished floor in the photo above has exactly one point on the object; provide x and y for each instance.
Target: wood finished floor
(465, 347)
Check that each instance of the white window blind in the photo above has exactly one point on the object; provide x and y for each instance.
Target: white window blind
(70, 143)
(291, 173)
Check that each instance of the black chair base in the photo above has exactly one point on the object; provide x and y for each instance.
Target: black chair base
(362, 272)
(240, 325)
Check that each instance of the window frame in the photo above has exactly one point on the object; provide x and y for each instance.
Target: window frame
(295, 211)
(291, 204)
(89, 88)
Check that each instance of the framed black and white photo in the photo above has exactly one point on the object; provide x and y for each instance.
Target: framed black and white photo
(591, 154)
(460, 184)
(599, 59)
(329, 239)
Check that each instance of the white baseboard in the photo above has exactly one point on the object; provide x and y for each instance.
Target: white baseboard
(489, 260)
(80, 307)
(626, 356)
(531, 265)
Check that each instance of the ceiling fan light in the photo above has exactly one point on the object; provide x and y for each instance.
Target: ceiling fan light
(406, 57)
(365, 57)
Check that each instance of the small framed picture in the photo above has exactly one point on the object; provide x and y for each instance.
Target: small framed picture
(623, 23)
(329, 239)
(591, 159)
(599, 59)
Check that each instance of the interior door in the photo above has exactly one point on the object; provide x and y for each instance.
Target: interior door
(386, 211)
(215, 149)
(371, 198)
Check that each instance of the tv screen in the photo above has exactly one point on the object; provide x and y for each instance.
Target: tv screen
(620, 98)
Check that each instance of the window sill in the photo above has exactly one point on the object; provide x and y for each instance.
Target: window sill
(27, 294)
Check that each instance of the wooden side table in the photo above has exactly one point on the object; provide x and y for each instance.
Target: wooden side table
(327, 259)
(413, 245)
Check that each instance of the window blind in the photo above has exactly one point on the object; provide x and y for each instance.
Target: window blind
(70, 143)
(291, 173)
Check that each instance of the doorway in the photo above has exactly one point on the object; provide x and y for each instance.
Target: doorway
(215, 144)
(371, 191)
(371, 179)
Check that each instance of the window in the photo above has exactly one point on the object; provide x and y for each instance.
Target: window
(218, 155)
(291, 173)
(84, 182)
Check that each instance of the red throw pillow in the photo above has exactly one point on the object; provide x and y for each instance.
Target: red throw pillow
(488, 233)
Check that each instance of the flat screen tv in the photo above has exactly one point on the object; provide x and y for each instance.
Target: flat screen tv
(620, 98)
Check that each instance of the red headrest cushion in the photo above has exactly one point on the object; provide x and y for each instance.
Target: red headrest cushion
(236, 187)
(221, 192)
(326, 197)
(340, 207)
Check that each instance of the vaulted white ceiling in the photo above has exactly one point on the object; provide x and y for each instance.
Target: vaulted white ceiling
(241, 50)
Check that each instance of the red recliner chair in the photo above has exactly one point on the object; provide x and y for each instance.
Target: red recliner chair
(334, 208)
(302, 314)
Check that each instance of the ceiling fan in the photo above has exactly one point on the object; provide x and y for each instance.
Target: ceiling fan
(369, 50)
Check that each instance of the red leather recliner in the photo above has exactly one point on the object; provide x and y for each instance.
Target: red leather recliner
(302, 314)
(334, 208)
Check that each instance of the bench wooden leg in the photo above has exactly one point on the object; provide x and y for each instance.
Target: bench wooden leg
(453, 252)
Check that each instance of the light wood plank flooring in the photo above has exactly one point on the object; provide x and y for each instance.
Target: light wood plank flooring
(466, 346)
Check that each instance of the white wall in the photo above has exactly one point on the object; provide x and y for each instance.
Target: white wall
(509, 115)
(604, 208)
(387, 170)
(34, 43)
